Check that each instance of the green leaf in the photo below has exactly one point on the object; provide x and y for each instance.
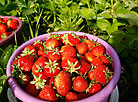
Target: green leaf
(3, 2)
(103, 24)
(130, 4)
(87, 13)
(10, 7)
(134, 53)
(28, 11)
(100, 1)
(105, 14)
(6, 55)
(133, 44)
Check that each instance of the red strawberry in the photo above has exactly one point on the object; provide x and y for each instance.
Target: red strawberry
(90, 44)
(82, 95)
(3, 28)
(83, 37)
(31, 89)
(82, 48)
(13, 26)
(15, 63)
(26, 62)
(71, 65)
(67, 51)
(40, 81)
(80, 84)
(43, 53)
(64, 38)
(29, 50)
(71, 96)
(62, 82)
(37, 68)
(97, 61)
(14, 21)
(89, 56)
(51, 80)
(54, 54)
(85, 67)
(98, 50)
(48, 93)
(106, 59)
(23, 79)
(73, 39)
(100, 74)
(38, 45)
(52, 68)
(93, 88)
(51, 43)
(6, 20)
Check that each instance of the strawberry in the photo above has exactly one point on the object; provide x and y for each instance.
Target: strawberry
(71, 96)
(48, 93)
(90, 44)
(13, 24)
(15, 63)
(106, 59)
(100, 74)
(83, 37)
(29, 50)
(43, 53)
(26, 62)
(67, 51)
(54, 54)
(93, 88)
(38, 44)
(97, 61)
(31, 89)
(71, 65)
(89, 56)
(98, 50)
(14, 21)
(73, 39)
(80, 84)
(85, 67)
(23, 79)
(38, 66)
(62, 82)
(82, 48)
(82, 95)
(3, 28)
(52, 68)
(51, 80)
(5, 20)
(40, 81)
(51, 43)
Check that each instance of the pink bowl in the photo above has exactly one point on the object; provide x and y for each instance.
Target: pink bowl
(101, 96)
(11, 36)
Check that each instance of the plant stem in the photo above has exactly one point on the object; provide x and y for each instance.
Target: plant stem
(31, 31)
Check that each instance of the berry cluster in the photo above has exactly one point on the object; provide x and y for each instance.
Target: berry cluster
(64, 67)
(7, 26)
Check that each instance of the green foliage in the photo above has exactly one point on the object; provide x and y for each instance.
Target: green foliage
(115, 21)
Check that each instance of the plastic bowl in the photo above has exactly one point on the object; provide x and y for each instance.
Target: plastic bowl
(101, 96)
(9, 39)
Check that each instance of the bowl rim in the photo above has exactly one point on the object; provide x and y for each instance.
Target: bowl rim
(3, 41)
(98, 97)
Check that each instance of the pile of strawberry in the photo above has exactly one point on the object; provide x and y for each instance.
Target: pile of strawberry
(7, 26)
(64, 67)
